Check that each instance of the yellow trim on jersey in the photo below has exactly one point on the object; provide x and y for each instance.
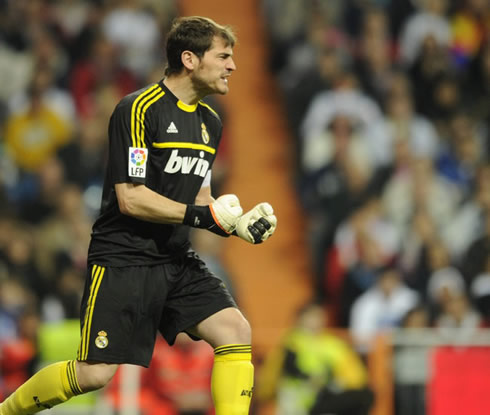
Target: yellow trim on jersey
(97, 275)
(134, 111)
(140, 114)
(208, 107)
(142, 133)
(185, 145)
(138, 110)
(186, 107)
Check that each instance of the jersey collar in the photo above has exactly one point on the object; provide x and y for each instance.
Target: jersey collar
(182, 105)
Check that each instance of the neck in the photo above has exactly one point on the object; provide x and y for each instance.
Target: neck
(183, 88)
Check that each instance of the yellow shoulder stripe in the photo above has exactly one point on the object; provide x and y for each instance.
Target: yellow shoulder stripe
(209, 108)
(192, 146)
(140, 105)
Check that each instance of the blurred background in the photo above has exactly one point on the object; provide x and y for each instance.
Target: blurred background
(365, 123)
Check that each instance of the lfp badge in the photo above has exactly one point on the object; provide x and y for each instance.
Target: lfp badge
(137, 162)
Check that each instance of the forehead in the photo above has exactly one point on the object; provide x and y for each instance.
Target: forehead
(219, 45)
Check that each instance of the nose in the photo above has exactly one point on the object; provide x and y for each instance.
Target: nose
(230, 65)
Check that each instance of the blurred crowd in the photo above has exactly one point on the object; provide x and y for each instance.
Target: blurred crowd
(389, 109)
(388, 103)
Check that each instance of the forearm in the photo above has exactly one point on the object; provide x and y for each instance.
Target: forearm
(143, 203)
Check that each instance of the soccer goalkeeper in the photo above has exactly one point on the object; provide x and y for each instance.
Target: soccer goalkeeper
(143, 277)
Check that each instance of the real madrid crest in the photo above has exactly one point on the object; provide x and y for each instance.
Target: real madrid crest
(102, 341)
(204, 133)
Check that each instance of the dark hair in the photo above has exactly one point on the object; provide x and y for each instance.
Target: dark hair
(195, 34)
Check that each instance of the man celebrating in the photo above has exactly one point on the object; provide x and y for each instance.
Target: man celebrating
(143, 276)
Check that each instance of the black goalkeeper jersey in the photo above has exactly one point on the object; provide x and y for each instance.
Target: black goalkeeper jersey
(157, 140)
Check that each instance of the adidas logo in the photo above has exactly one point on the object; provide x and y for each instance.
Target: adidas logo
(172, 128)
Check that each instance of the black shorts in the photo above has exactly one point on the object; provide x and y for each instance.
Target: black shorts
(123, 308)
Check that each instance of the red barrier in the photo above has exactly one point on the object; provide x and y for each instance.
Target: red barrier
(460, 382)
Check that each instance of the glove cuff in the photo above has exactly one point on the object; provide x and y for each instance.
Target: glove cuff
(198, 216)
(202, 217)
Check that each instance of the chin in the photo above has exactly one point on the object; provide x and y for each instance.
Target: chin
(221, 91)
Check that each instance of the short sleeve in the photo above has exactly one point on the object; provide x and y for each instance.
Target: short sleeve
(128, 158)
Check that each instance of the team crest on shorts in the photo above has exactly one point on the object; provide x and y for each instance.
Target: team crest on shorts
(102, 341)
(204, 133)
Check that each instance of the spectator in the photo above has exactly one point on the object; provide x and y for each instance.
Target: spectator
(432, 64)
(371, 223)
(419, 187)
(134, 30)
(319, 372)
(468, 27)
(444, 284)
(381, 308)
(345, 99)
(365, 245)
(180, 377)
(374, 63)
(475, 258)
(417, 247)
(402, 123)
(84, 158)
(177, 381)
(100, 69)
(300, 88)
(52, 97)
(480, 292)
(65, 234)
(40, 204)
(36, 131)
(15, 299)
(337, 179)
(18, 354)
(468, 223)
(464, 152)
(431, 21)
(287, 22)
(476, 89)
(19, 257)
(63, 301)
(458, 319)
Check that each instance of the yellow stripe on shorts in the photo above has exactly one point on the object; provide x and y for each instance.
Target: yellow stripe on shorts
(97, 275)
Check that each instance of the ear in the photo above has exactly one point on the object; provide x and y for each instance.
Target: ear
(189, 60)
